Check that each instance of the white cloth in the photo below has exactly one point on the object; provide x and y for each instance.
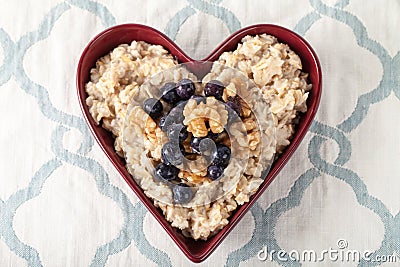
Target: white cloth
(63, 204)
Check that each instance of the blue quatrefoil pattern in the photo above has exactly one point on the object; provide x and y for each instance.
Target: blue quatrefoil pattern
(265, 218)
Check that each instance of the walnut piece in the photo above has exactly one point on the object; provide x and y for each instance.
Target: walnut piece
(196, 116)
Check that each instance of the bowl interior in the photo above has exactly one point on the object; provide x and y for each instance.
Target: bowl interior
(103, 43)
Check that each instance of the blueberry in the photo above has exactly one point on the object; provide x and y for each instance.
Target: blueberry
(198, 98)
(234, 106)
(165, 123)
(175, 115)
(204, 146)
(222, 156)
(182, 149)
(233, 109)
(169, 94)
(177, 132)
(214, 88)
(182, 193)
(153, 107)
(195, 144)
(213, 136)
(185, 89)
(162, 123)
(165, 172)
(214, 172)
(171, 153)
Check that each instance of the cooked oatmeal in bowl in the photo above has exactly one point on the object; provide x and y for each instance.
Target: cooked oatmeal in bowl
(197, 155)
(199, 147)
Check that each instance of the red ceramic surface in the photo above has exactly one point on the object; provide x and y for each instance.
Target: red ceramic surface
(103, 43)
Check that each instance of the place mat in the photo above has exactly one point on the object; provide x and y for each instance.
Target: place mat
(62, 203)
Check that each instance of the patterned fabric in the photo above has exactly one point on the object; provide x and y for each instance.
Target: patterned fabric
(63, 204)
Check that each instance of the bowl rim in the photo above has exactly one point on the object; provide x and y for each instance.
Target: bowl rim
(182, 58)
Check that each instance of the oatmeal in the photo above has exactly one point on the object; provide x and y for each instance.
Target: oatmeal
(276, 70)
(199, 148)
(117, 77)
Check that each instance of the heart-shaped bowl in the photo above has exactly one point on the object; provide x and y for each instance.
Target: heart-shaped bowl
(107, 40)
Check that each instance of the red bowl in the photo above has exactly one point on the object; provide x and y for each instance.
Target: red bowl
(107, 40)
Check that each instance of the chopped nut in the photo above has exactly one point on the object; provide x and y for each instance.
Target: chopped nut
(249, 124)
(192, 177)
(197, 127)
(254, 139)
(229, 91)
(215, 126)
(196, 116)
(246, 110)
